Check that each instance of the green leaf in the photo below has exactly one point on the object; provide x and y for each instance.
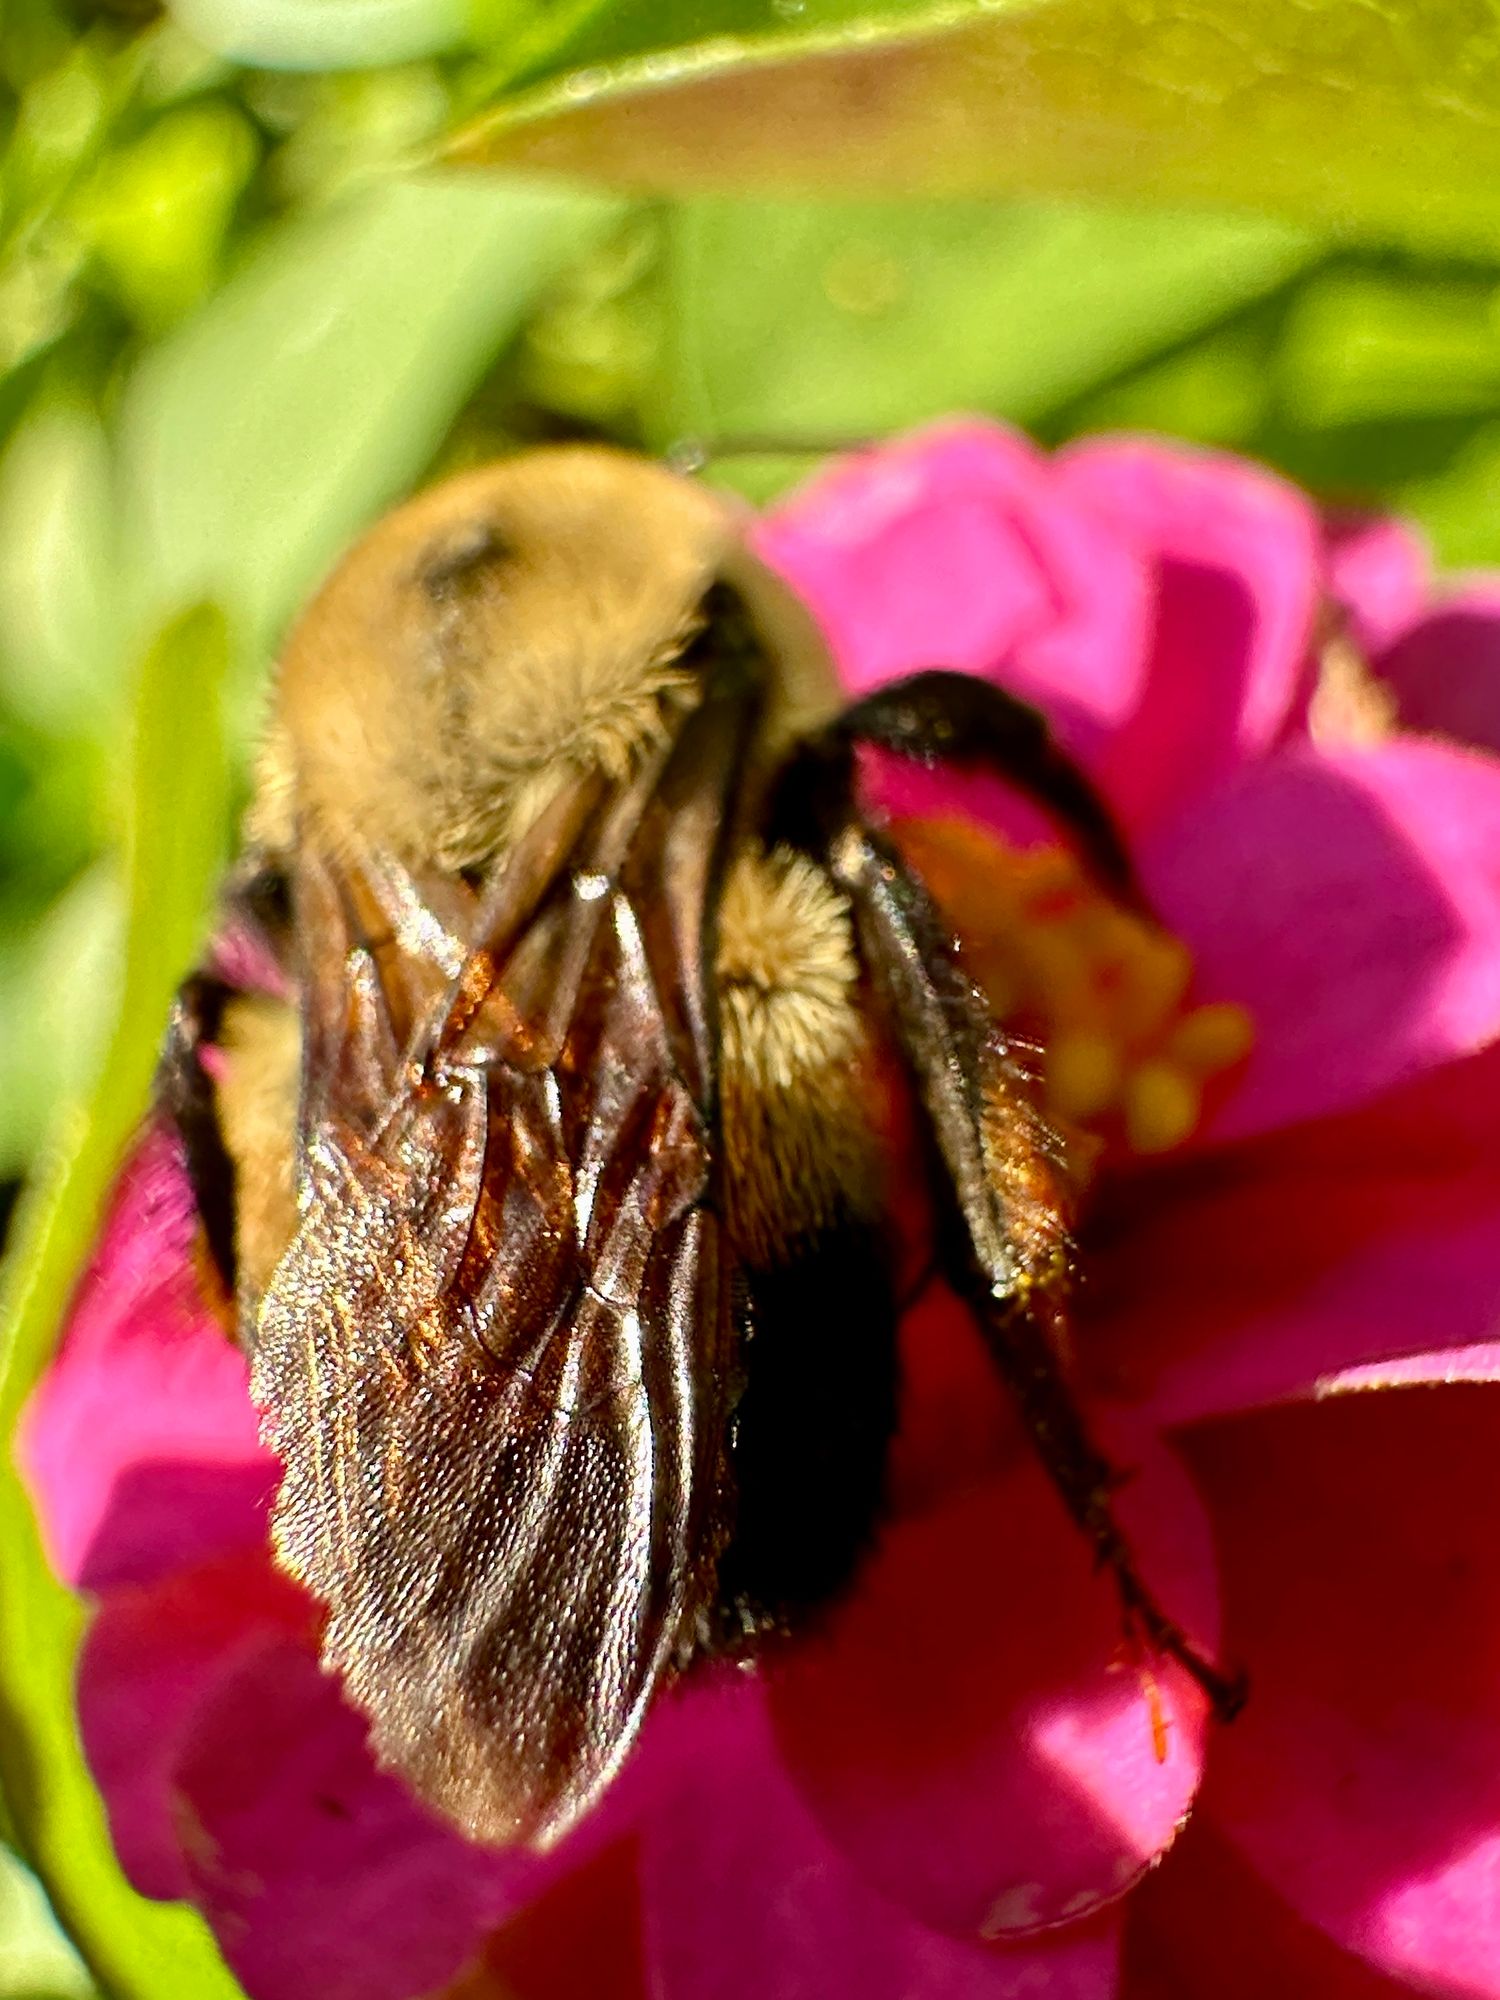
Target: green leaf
(35, 1962)
(315, 387)
(59, 588)
(56, 1006)
(136, 1950)
(1383, 118)
(849, 320)
(324, 34)
(1460, 507)
(155, 212)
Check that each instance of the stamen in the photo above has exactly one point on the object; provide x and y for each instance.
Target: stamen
(1127, 1055)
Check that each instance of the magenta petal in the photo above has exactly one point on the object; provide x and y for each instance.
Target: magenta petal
(1237, 555)
(1348, 1252)
(319, 1873)
(1378, 574)
(1361, 1550)
(140, 1445)
(149, 1662)
(1444, 670)
(969, 1728)
(744, 1897)
(1352, 904)
(957, 548)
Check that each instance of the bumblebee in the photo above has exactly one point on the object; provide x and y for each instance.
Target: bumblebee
(546, 1180)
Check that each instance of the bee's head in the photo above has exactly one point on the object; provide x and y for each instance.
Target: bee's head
(508, 627)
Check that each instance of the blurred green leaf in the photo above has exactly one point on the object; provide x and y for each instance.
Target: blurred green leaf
(1360, 346)
(1379, 118)
(138, 1950)
(325, 34)
(592, 351)
(1460, 506)
(155, 212)
(314, 388)
(827, 320)
(341, 131)
(57, 998)
(59, 583)
(35, 1960)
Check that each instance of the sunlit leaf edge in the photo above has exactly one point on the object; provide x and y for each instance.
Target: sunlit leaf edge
(578, 80)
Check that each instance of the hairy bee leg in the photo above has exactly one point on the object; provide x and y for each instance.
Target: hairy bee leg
(237, 1121)
(953, 719)
(1007, 1247)
(1027, 1356)
(185, 1091)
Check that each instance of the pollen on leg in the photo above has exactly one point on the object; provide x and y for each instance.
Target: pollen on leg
(1127, 1053)
(794, 1059)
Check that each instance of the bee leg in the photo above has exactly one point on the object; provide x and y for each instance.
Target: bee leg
(1005, 1230)
(185, 1092)
(951, 719)
(998, 1172)
(236, 1116)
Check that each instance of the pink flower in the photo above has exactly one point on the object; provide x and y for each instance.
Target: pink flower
(957, 1790)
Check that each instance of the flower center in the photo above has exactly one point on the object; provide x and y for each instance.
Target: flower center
(1125, 1053)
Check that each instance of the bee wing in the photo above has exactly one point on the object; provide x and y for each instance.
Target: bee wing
(496, 1357)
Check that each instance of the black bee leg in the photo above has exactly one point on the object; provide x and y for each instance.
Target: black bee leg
(1019, 1337)
(1005, 1235)
(185, 1091)
(957, 720)
(1006, 1232)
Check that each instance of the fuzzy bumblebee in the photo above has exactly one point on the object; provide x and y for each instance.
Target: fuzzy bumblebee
(550, 1191)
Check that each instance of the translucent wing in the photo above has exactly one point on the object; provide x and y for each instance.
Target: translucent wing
(496, 1358)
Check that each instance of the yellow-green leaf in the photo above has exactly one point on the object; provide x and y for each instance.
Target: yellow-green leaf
(137, 1950)
(1375, 115)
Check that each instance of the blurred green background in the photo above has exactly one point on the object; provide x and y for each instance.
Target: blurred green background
(253, 287)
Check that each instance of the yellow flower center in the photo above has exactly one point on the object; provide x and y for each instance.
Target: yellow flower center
(1126, 1054)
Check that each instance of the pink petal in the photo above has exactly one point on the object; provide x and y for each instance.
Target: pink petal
(319, 1872)
(140, 1446)
(1237, 558)
(1379, 574)
(1361, 1550)
(1352, 904)
(1355, 1250)
(236, 1774)
(969, 1727)
(150, 1660)
(744, 1897)
(1445, 669)
(957, 548)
